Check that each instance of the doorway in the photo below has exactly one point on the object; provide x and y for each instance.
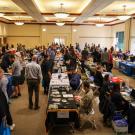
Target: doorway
(60, 40)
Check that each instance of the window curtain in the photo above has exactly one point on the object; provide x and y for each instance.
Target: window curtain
(127, 35)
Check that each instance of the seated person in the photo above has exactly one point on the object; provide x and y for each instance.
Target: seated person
(85, 101)
(74, 78)
(124, 86)
(116, 98)
(58, 54)
(105, 87)
(98, 79)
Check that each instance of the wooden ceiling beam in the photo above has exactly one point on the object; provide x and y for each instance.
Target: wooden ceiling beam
(30, 8)
(92, 9)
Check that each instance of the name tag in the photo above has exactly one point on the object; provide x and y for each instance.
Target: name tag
(62, 114)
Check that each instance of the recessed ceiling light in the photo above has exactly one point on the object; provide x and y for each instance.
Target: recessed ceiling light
(43, 29)
(74, 30)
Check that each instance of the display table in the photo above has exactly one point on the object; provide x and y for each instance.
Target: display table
(131, 110)
(126, 68)
(59, 79)
(61, 109)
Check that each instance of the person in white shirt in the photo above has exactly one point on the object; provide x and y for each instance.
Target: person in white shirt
(34, 76)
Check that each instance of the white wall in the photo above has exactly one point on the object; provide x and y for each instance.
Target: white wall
(32, 35)
(132, 46)
(92, 34)
(53, 31)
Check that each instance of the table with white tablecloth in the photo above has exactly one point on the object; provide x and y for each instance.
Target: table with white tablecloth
(59, 79)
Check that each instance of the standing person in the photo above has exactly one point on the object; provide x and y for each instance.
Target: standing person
(105, 88)
(105, 58)
(110, 62)
(4, 111)
(96, 56)
(16, 73)
(46, 68)
(98, 78)
(5, 62)
(34, 76)
(3, 84)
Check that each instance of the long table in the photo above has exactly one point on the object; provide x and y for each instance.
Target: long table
(61, 108)
(131, 110)
(127, 68)
(59, 79)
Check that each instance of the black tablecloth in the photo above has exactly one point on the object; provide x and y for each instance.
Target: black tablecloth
(70, 105)
(131, 119)
(52, 119)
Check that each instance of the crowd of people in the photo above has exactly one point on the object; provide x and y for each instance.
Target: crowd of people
(36, 66)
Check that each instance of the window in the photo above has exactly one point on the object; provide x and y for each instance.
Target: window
(120, 40)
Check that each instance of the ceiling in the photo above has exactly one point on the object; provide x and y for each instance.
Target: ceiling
(81, 11)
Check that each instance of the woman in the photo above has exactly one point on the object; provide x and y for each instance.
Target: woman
(4, 111)
(110, 62)
(3, 84)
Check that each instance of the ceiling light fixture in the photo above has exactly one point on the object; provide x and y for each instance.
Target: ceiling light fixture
(124, 17)
(2, 14)
(61, 13)
(100, 24)
(60, 23)
(19, 23)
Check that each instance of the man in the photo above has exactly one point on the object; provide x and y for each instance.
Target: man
(46, 67)
(33, 76)
(105, 58)
(16, 73)
(5, 62)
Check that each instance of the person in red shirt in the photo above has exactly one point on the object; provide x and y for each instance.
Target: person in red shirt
(110, 62)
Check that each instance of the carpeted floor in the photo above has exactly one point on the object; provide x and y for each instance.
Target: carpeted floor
(31, 122)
